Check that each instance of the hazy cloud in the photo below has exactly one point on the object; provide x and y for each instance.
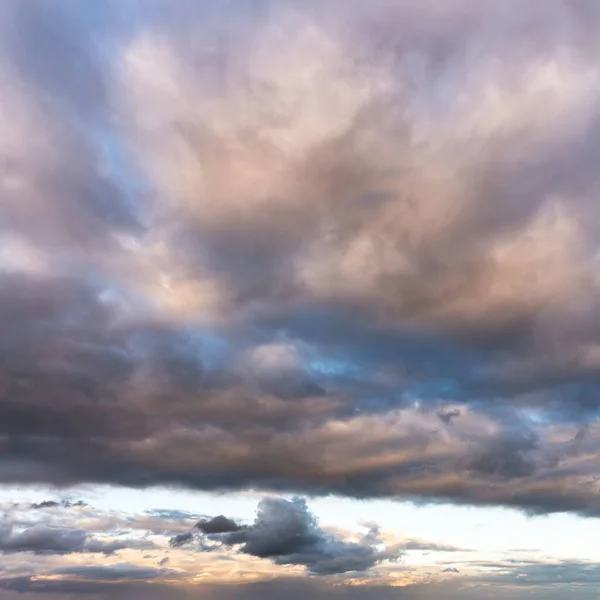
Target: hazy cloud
(44, 539)
(430, 546)
(181, 539)
(118, 572)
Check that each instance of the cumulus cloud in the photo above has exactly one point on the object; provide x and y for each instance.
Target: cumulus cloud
(286, 532)
(303, 247)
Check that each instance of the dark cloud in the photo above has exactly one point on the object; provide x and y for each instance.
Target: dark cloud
(303, 247)
(56, 503)
(218, 524)
(181, 539)
(286, 532)
(46, 504)
(451, 570)
(446, 415)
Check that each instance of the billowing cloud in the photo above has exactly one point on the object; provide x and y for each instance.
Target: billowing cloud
(286, 532)
(302, 247)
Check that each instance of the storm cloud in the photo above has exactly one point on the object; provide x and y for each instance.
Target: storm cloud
(304, 247)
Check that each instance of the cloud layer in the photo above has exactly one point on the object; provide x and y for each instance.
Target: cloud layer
(302, 246)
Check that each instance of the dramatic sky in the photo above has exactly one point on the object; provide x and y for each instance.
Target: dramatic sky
(299, 298)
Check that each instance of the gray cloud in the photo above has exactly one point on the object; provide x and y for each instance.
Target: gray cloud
(25, 587)
(302, 247)
(286, 532)
(539, 574)
(118, 572)
(293, 588)
(218, 524)
(56, 504)
(46, 504)
(430, 546)
(44, 539)
(446, 415)
(181, 539)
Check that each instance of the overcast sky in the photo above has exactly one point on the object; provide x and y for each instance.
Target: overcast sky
(299, 298)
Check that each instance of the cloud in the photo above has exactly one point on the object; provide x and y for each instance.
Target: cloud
(181, 539)
(430, 546)
(118, 572)
(107, 585)
(172, 514)
(26, 587)
(287, 533)
(45, 504)
(302, 247)
(43, 539)
(446, 415)
(219, 524)
(56, 503)
(537, 573)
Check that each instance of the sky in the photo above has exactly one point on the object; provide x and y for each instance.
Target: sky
(299, 298)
